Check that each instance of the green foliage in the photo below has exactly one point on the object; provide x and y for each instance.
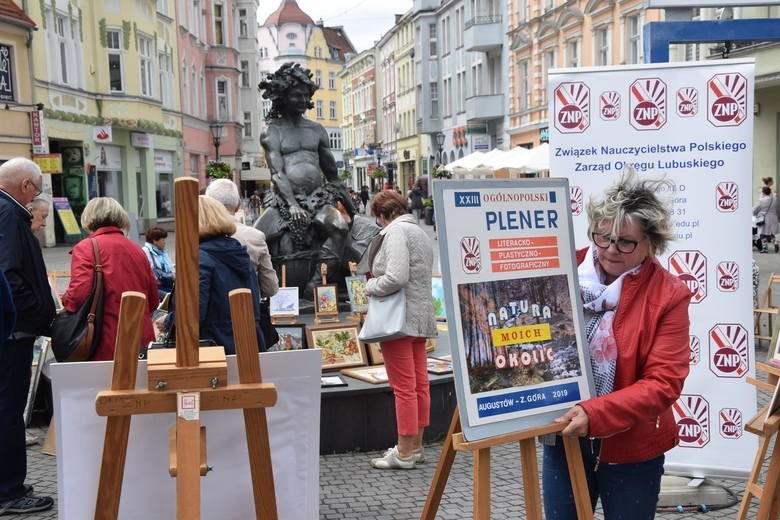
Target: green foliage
(441, 173)
(438, 307)
(428, 203)
(344, 175)
(43, 12)
(103, 32)
(126, 27)
(218, 170)
(378, 173)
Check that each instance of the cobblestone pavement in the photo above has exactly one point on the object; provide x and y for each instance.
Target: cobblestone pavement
(350, 488)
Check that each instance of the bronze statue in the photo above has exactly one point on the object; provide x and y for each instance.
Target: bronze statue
(302, 222)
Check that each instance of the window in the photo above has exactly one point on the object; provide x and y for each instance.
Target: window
(602, 47)
(292, 36)
(222, 100)
(633, 39)
(525, 86)
(145, 57)
(219, 24)
(573, 48)
(242, 25)
(434, 99)
(62, 27)
(114, 46)
(244, 73)
(166, 79)
(263, 52)
(162, 7)
(319, 109)
(332, 109)
(194, 169)
(318, 52)
(318, 78)
(335, 140)
(332, 80)
(247, 124)
(185, 93)
(432, 39)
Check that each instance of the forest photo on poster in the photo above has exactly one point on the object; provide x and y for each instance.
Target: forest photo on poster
(518, 332)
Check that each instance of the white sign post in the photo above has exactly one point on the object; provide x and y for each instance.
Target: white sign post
(509, 277)
(693, 123)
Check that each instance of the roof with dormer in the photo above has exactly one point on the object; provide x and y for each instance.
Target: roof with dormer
(13, 14)
(288, 12)
(337, 40)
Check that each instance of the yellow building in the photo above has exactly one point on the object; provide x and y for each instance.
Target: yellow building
(104, 71)
(16, 28)
(547, 34)
(408, 146)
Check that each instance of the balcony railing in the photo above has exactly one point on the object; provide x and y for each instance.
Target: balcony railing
(482, 20)
(483, 33)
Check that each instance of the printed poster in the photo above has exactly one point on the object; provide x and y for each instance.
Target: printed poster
(692, 123)
(509, 280)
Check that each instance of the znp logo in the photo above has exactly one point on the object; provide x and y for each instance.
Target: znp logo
(728, 276)
(687, 102)
(727, 196)
(572, 107)
(695, 345)
(727, 99)
(609, 105)
(470, 255)
(691, 268)
(576, 200)
(730, 420)
(729, 353)
(648, 104)
(692, 413)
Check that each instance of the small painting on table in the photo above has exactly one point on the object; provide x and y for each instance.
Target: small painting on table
(326, 302)
(373, 375)
(439, 366)
(291, 337)
(339, 343)
(284, 302)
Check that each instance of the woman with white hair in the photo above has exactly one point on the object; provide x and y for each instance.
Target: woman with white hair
(125, 268)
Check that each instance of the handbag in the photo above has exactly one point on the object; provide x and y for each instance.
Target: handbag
(76, 335)
(760, 220)
(385, 318)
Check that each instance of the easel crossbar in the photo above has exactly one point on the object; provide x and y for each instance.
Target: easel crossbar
(461, 444)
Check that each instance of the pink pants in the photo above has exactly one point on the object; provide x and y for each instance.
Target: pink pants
(407, 372)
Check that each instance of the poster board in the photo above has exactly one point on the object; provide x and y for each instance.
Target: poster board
(148, 491)
(68, 219)
(509, 276)
(693, 123)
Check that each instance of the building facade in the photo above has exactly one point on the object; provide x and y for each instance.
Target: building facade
(359, 95)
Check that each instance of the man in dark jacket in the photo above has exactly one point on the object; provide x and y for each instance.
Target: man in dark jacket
(21, 261)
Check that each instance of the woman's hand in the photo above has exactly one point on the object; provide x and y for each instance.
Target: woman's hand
(578, 422)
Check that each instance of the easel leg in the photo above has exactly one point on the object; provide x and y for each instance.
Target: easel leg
(442, 473)
(579, 484)
(752, 486)
(112, 467)
(188, 450)
(770, 499)
(482, 484)
(530, 469)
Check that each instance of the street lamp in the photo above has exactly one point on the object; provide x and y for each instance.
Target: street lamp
(216, 135)
(440, 141)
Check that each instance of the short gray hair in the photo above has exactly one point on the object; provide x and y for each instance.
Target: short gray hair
(39, 202)
(224, 191)
(104, 212)
(630, 199)
(17, 169)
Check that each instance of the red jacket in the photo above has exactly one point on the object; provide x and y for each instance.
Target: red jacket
(125, 268)
(650, 327)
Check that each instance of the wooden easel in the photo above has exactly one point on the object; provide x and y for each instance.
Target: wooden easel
(530, 470)
(324, 317)
(766, 428)
(284, 319)
(186, 380)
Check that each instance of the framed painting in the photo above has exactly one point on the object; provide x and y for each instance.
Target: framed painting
(331, 381)
(326, 306)
(774, 349)
(430, 344)
(284, 302)
(437, 294)
(373, 375)
(439, 366)
(291, 337)
(40, 353)
(374, 354)
(356, 288)
(339, 343)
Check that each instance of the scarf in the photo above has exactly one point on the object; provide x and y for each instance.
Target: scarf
(599, 304)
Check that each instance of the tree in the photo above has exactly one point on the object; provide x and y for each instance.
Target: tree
(218, 170)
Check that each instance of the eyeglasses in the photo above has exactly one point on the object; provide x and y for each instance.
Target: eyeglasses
(38, 190)
(623, 245)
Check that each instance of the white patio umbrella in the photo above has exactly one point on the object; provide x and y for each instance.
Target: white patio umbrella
(511, 159)
(538, 159)
(469, 161)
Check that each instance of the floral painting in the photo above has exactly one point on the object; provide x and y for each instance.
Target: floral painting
(325, 299)
(356, 288)
(340, 345)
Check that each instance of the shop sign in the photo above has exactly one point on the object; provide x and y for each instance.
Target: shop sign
(6, 74)
(40, 141)
(141, 140)
(480, 143)
(49, 163)
(163, 162)
(109, 158)
(101, 134)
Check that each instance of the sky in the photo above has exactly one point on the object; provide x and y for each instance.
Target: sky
(364, 21)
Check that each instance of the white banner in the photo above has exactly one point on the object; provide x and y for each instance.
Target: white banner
(509, 274)
(226, 493)
(691, 122)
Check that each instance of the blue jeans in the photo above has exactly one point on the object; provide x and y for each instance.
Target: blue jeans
(627, 491)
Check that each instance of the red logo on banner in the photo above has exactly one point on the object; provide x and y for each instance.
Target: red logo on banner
(609, 105)
(470, 255)
(727, 195)
(692, 413)
(727, 99)
(687, 102)
(728, 276)
(576, 200)
(729, 352)
(695, 355)
(730, 420)
(691, 268)
(572, 107)
(648, 104)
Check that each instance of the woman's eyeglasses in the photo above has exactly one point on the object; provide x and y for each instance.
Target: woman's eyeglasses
(623, 245)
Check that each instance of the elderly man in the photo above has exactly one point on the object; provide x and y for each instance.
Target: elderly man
(39, 208)
(22, 263)
(226, 192)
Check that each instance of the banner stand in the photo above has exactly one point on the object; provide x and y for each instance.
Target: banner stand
(766, 426)
(529, 468)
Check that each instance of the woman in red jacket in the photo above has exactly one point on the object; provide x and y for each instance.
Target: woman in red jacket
(125, 268)
(636, 316)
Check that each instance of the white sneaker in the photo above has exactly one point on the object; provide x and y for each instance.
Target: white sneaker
(419, 455)
(393, 460)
